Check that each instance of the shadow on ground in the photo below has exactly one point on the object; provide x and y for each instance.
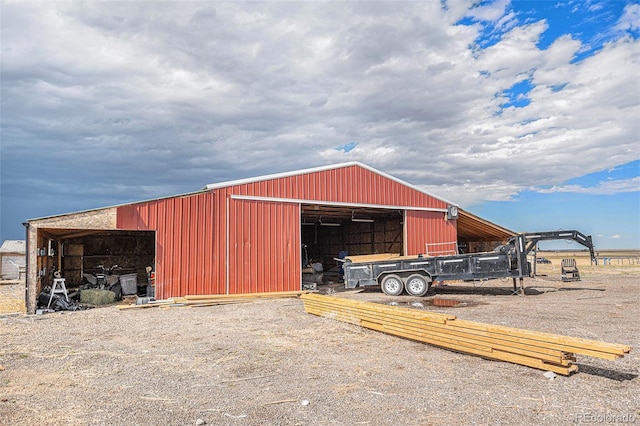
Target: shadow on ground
(606, 372)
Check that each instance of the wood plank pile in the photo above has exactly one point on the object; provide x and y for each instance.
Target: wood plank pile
(373, 257)
(544, 351)
(213, 300)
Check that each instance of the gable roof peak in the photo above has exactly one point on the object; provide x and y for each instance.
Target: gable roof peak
(255, 179)
(280, 175)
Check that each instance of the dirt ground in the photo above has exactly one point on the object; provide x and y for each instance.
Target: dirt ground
(12, 297)
(270, 363)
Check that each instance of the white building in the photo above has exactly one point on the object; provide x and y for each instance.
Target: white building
(12, 259)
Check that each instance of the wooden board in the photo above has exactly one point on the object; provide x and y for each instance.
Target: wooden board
(373, 257)
(531, 348)
(215, 299)
(270, 295)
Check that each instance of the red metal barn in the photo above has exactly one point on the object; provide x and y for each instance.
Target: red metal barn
(246, 236)
(253, 235)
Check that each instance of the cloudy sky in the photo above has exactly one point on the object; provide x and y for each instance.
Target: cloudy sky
(524, 112)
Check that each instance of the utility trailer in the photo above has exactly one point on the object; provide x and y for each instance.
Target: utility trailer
(415, 274)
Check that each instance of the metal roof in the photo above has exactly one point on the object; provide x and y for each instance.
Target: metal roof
(13, 246)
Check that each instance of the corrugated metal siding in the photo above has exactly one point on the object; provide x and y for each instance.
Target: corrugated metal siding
(427, 227)
(264, 237)
(264, 249)
(348, 185)
(184, 241)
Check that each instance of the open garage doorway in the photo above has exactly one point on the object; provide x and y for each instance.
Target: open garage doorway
(80, 254)
(333, 232)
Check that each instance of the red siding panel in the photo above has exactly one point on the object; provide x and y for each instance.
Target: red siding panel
(264, 241)
(184, 241)
(428, 227)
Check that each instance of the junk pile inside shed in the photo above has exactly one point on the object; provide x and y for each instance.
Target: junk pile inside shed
(79, 268)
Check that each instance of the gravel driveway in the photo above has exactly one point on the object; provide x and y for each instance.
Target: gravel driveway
(270, 363)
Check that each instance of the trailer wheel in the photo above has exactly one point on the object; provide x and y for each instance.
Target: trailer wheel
(392, 285)
(417, 285)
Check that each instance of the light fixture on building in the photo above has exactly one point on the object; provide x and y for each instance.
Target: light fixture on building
(452, 212)
(359, 219)
(327, 223)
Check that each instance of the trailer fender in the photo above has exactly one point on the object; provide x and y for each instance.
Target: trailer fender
(404, 274)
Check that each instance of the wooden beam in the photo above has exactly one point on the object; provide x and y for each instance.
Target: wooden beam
(277, 294)
(531, 348)
(442, 332)
(214, 299)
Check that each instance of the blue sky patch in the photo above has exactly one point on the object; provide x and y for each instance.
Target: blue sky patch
(623, 172)
(346, 147)
(581, 211)
(517, 95)
(576, 209)
(591, 22)
(588, 21)
(558, 87)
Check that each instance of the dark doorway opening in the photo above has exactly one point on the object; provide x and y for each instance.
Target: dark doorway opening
(332, 232)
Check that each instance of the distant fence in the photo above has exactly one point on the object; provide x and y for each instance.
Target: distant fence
(619, 260)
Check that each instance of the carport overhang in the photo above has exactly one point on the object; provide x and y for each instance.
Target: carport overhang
(473, 229)
(65, 250)
(43, 234)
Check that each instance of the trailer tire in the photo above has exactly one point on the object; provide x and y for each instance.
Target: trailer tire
(392, 285)
(417, 285)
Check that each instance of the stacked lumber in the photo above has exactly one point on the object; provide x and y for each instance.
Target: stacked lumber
(531, 348)
(373, 257)
(214, 300)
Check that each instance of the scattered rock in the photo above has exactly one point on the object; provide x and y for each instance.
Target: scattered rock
(241, 416)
